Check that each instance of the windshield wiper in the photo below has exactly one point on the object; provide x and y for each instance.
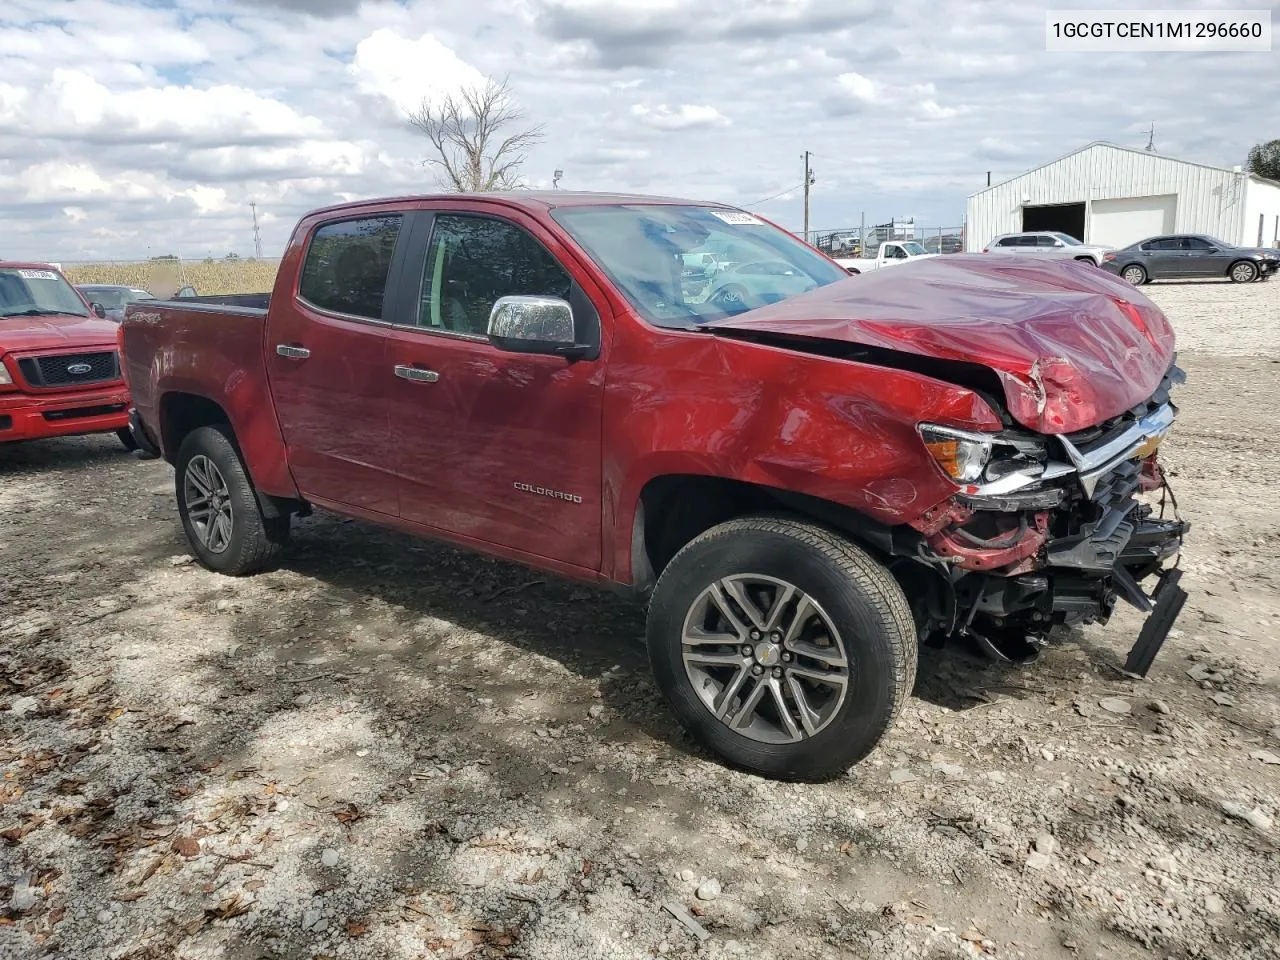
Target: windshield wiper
(37, 312)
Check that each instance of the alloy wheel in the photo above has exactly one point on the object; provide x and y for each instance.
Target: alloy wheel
(1134, 275)
(1243, 272)
(208, 502)
(765, 658)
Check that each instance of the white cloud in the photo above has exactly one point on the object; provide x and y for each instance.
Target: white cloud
(405, 72)
(683, 117)
(76, 106)
(858, 88)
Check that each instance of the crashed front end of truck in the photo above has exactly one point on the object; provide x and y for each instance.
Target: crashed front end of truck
(1050, 530)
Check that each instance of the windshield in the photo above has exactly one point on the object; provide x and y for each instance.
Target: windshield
(647, 251)
(34, 292)
(113, 297)
(914, 249)
(1069, 240)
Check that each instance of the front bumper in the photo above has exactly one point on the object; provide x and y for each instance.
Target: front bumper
(32, 417)
(1061, 544)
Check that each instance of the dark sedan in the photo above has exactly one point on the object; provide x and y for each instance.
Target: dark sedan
(113, 297)
(1190, 255)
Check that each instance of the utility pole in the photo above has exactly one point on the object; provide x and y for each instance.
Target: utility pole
(808, 180)
(257, 234)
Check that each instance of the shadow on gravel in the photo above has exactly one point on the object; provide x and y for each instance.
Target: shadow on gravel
(58, 454)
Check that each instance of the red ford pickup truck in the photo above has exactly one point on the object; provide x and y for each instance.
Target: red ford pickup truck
(59, 366)
(808, 473)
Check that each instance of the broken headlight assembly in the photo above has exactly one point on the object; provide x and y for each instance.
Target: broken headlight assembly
(975, 459)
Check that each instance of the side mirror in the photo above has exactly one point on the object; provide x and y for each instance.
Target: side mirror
(534, 325)
(1212, 250)
(99, 310)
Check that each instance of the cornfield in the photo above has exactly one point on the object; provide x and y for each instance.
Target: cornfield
(164, 277)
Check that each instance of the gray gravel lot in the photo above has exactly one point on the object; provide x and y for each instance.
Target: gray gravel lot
(390, 749)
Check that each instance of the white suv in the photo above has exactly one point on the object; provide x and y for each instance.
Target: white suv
(1048, 243)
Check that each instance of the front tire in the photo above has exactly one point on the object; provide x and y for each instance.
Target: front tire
(125, 436)
(1243, 271)
(781, 646)
(219, 508)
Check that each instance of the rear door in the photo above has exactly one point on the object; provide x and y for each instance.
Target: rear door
(492, 446)
(326, 357)
(1165, 257)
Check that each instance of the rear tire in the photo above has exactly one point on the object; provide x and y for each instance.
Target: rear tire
(1134, 274)
(219, 508)
(837, 652)
(1243, 271)
(125, 435)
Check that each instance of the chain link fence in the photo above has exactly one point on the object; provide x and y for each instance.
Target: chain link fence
(848, 241)
(165, 276)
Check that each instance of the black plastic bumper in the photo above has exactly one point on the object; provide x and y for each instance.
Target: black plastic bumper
(147, 448)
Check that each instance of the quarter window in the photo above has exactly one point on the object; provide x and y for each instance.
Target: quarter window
(472, 261)
(347, 265)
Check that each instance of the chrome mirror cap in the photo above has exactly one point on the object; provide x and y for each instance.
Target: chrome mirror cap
(532, 325)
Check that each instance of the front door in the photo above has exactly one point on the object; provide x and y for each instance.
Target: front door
(326, 361)
(494, 446)
(1204, 259)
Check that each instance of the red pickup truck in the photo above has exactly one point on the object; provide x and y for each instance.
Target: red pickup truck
(59, 367)
(808, 473)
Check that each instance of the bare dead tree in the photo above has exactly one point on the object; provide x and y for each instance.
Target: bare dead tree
(478, 135)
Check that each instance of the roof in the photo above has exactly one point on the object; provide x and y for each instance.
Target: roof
(534, 200)
(1116, 146)
(26, 265)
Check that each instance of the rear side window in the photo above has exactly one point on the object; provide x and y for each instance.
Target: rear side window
(347, 265)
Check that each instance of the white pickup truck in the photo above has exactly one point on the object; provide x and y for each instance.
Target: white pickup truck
(891, 253)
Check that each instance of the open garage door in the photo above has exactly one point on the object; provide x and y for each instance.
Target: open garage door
(1065, 218)
(1118, 223)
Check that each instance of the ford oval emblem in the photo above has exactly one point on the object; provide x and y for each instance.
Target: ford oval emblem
(79, 369)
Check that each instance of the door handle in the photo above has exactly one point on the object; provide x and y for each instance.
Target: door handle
(416, 374)
(292, 352)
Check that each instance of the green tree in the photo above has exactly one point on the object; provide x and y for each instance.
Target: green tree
(1264, 160)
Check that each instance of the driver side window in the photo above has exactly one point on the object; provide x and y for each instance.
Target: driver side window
(471, 262)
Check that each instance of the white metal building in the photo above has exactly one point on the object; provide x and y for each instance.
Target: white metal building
(1107, 194)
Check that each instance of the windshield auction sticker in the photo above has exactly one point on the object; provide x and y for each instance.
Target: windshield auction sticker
(1187, 31)
(37, 275)
(736, 217)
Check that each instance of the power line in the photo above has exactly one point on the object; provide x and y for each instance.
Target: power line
(775, 196)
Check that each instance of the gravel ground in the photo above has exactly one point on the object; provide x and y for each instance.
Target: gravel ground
(390, 749)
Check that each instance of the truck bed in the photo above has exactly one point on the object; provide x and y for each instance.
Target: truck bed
(179, 354)
(255, 301)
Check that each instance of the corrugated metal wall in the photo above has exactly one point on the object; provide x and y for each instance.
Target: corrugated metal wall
(1210, 200)
(1262, 208)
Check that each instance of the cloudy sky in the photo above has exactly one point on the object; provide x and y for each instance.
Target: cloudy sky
(137, 127)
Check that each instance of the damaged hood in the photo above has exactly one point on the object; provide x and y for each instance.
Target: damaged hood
(1071, 344)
